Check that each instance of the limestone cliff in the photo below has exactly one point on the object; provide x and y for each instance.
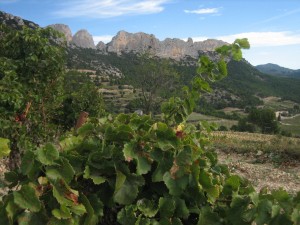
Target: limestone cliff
(83, 39)
(169, 48)
(65, 29)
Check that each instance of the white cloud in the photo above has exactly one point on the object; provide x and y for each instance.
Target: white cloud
(203, 11)
(110, 8)
(103, 38)
(263, 39)
(281, 48)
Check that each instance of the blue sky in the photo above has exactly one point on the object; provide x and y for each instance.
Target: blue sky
(272, 26)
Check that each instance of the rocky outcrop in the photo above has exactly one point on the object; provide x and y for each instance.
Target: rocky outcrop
(169, 48)
(101, 46)
(65, 29)
(83, 39)
(138, 42)
(125, 42)
(15, 21)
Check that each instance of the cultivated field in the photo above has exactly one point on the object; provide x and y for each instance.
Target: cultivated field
(291, 124)
(266, 160)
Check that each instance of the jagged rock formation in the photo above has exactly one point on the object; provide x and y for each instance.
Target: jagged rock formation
(169, 48)
(125, 42)
(65, 29)
(138, 42)
(101, 46)
(83, 39)
(15, 21)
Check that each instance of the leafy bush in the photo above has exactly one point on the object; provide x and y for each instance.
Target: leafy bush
(133, 170)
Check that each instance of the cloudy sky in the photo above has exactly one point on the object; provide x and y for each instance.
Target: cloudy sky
(272, 26)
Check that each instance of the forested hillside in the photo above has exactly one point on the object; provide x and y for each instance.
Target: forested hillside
(244, 80)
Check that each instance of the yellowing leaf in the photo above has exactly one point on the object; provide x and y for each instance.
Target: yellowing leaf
(4, 147)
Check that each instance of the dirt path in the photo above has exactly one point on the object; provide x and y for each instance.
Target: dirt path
(263, 174)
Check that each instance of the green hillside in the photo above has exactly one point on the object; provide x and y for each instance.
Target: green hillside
(244, 86)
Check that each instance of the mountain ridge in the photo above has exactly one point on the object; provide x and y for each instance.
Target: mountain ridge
(140, 42)
(276, 70)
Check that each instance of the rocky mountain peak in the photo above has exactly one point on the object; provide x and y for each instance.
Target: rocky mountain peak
(15, 21)
(101, 46)
(133, 42)
(83, 39)
(169, 48)
(65, 29)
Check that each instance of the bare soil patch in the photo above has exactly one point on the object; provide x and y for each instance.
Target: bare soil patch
(262, 173)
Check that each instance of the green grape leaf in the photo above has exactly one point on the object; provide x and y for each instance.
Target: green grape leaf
(12, 177)
(238, 207)
(222, 68)
(182, 210)
(264, 212)
(28, 161)
(62, 213)
(142, 221)
(86, 129)
(166, 138)
(213, 193)
(4, 147)
(70, 143)
(47, 154)
(284, 199)
(28, 218)
(55, 221)
(62, 170)
(126, 189)
(243, 43)
(166, 207)
(78, 209)
(205, 179)
(124, 133)
(147, 207)
(161, 169)
(64, 194)
(281, 219)
(26, 198)
(3, 214)
(176, 186)
(237, 54)
(295, 216)
(127, 215)
(92, 174)
(234, 182)
(11, 210)
(143, 164)
(89, 210)
(206, 217)
(184, 157)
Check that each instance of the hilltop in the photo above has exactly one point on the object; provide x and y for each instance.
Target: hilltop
(276, 70)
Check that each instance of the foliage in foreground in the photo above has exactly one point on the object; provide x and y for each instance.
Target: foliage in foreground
(134, 170)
